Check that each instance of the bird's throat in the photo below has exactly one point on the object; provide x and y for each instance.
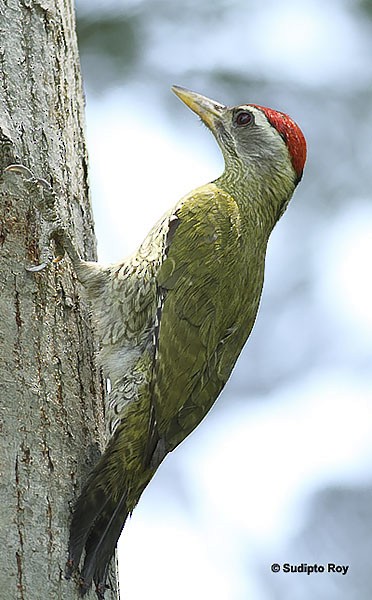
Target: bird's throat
(259, 203)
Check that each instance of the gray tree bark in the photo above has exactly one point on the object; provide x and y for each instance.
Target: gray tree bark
(51, 395)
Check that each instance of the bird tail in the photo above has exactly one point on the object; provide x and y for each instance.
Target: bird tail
(99, 517)
(101, 534)
(109, 496)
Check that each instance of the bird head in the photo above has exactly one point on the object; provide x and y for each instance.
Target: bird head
(253, 139)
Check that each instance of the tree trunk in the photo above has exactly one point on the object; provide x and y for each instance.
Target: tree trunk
(51, 394)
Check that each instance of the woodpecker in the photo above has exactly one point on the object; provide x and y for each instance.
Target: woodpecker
(173, 317)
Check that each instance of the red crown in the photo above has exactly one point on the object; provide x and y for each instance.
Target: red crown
(292, 135)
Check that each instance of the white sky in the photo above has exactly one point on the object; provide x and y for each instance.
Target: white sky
(147, 172)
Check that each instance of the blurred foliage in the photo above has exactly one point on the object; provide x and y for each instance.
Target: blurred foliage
(110, 46)
(116, 37)
(118, 42)
(366, 6)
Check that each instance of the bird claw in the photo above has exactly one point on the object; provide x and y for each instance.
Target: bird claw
(47, 202)
(48, 207)
(37, 268)
(28, 175)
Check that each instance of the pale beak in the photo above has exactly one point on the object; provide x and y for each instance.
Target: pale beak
(208, 110)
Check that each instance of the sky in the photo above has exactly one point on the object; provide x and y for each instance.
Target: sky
(237, 490)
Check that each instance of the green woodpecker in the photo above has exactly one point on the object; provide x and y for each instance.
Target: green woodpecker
(173, 318)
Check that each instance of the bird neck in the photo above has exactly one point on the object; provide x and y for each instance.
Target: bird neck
(261, 195)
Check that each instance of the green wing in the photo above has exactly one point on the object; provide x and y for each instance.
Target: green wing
(200, 323)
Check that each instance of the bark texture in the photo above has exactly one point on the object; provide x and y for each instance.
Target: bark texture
(51, 395)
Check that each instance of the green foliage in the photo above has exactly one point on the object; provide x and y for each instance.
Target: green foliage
(109, 45)
(366, 6)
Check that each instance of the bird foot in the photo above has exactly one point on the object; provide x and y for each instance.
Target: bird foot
(48, 206)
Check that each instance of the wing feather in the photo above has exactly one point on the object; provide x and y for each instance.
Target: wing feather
(197, 281)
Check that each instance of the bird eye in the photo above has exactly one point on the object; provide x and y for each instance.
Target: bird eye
(243, 117)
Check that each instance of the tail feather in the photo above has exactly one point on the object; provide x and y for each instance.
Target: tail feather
(90, 505)
(99, 517)
(109, 495)
(101, 543)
